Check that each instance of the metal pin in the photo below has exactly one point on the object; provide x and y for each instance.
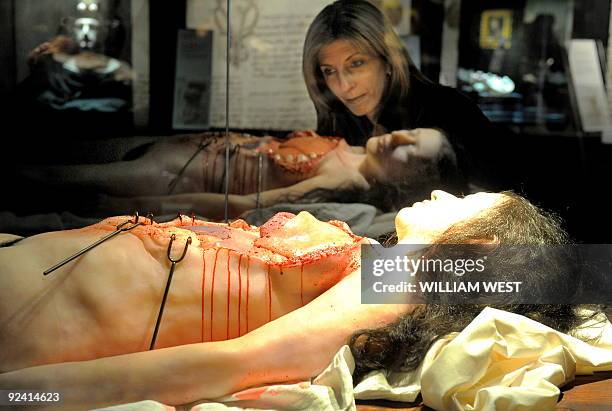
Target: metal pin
(150, 218)
(119, 229)
(193, 218)
(180, 217)
(163, 303)
(259, 178)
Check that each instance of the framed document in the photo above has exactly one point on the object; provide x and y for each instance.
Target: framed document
(192, 87)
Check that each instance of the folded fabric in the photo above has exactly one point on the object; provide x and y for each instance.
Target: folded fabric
(501, 361)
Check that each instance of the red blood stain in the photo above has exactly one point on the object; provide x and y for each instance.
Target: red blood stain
(250, 394)
(203, 283)
(212, 291)
(239, 290)
(229, 278)
(247, 293)
(269, 295)
(302, 284)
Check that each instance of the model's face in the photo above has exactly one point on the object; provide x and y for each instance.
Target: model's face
(393, 157)
(426, 220)
(356, 78)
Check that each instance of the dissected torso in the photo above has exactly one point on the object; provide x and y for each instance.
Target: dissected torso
(255, 163)
(233, 279)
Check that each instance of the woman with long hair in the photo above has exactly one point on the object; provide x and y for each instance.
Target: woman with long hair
(363, 83)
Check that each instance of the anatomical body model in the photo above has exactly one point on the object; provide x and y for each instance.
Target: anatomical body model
(233, 279)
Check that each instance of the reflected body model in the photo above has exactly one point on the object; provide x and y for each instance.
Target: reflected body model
(187, 173)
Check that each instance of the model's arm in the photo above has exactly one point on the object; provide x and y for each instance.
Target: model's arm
(296, 346)
(210, 205)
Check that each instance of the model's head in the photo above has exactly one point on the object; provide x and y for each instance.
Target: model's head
(501, 218)
(518, 241)
(352, 56)
(406, 155)
(425, 222)
(403, 166)
(505, 228)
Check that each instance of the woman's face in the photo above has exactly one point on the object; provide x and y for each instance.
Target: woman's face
(426, 220)
(355, 77)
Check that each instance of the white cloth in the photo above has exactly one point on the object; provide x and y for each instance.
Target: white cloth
(501, 361)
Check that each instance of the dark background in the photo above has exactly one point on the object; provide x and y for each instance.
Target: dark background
(565, 171)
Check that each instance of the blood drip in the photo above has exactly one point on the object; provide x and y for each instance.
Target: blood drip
(239, 290)
(229, 278)
(203, 286)
(212, 290)
(302, 284)
(269, 295)
(247, 293)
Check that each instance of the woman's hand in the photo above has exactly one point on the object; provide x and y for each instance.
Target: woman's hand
(424, 143)
(402, 144)
(388, 142)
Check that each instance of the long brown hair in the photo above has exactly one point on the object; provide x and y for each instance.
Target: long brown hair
(364, 25)
(403, 344)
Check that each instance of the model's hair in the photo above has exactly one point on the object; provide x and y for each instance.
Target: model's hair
(403, 344)
(366, 27)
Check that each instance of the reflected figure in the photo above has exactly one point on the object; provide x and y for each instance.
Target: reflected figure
(193, 105)
(363, 83)
(73, 73)
(187, 173)
(70, 78)
(543, 71)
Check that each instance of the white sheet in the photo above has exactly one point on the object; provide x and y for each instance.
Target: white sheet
(501, 361)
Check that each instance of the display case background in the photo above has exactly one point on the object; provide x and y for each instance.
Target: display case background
(563, 172)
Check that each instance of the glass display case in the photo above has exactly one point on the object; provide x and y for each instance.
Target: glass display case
(111, 81)
(190, 188)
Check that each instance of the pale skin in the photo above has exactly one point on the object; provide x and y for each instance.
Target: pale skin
(296, 346)
(357, 78)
